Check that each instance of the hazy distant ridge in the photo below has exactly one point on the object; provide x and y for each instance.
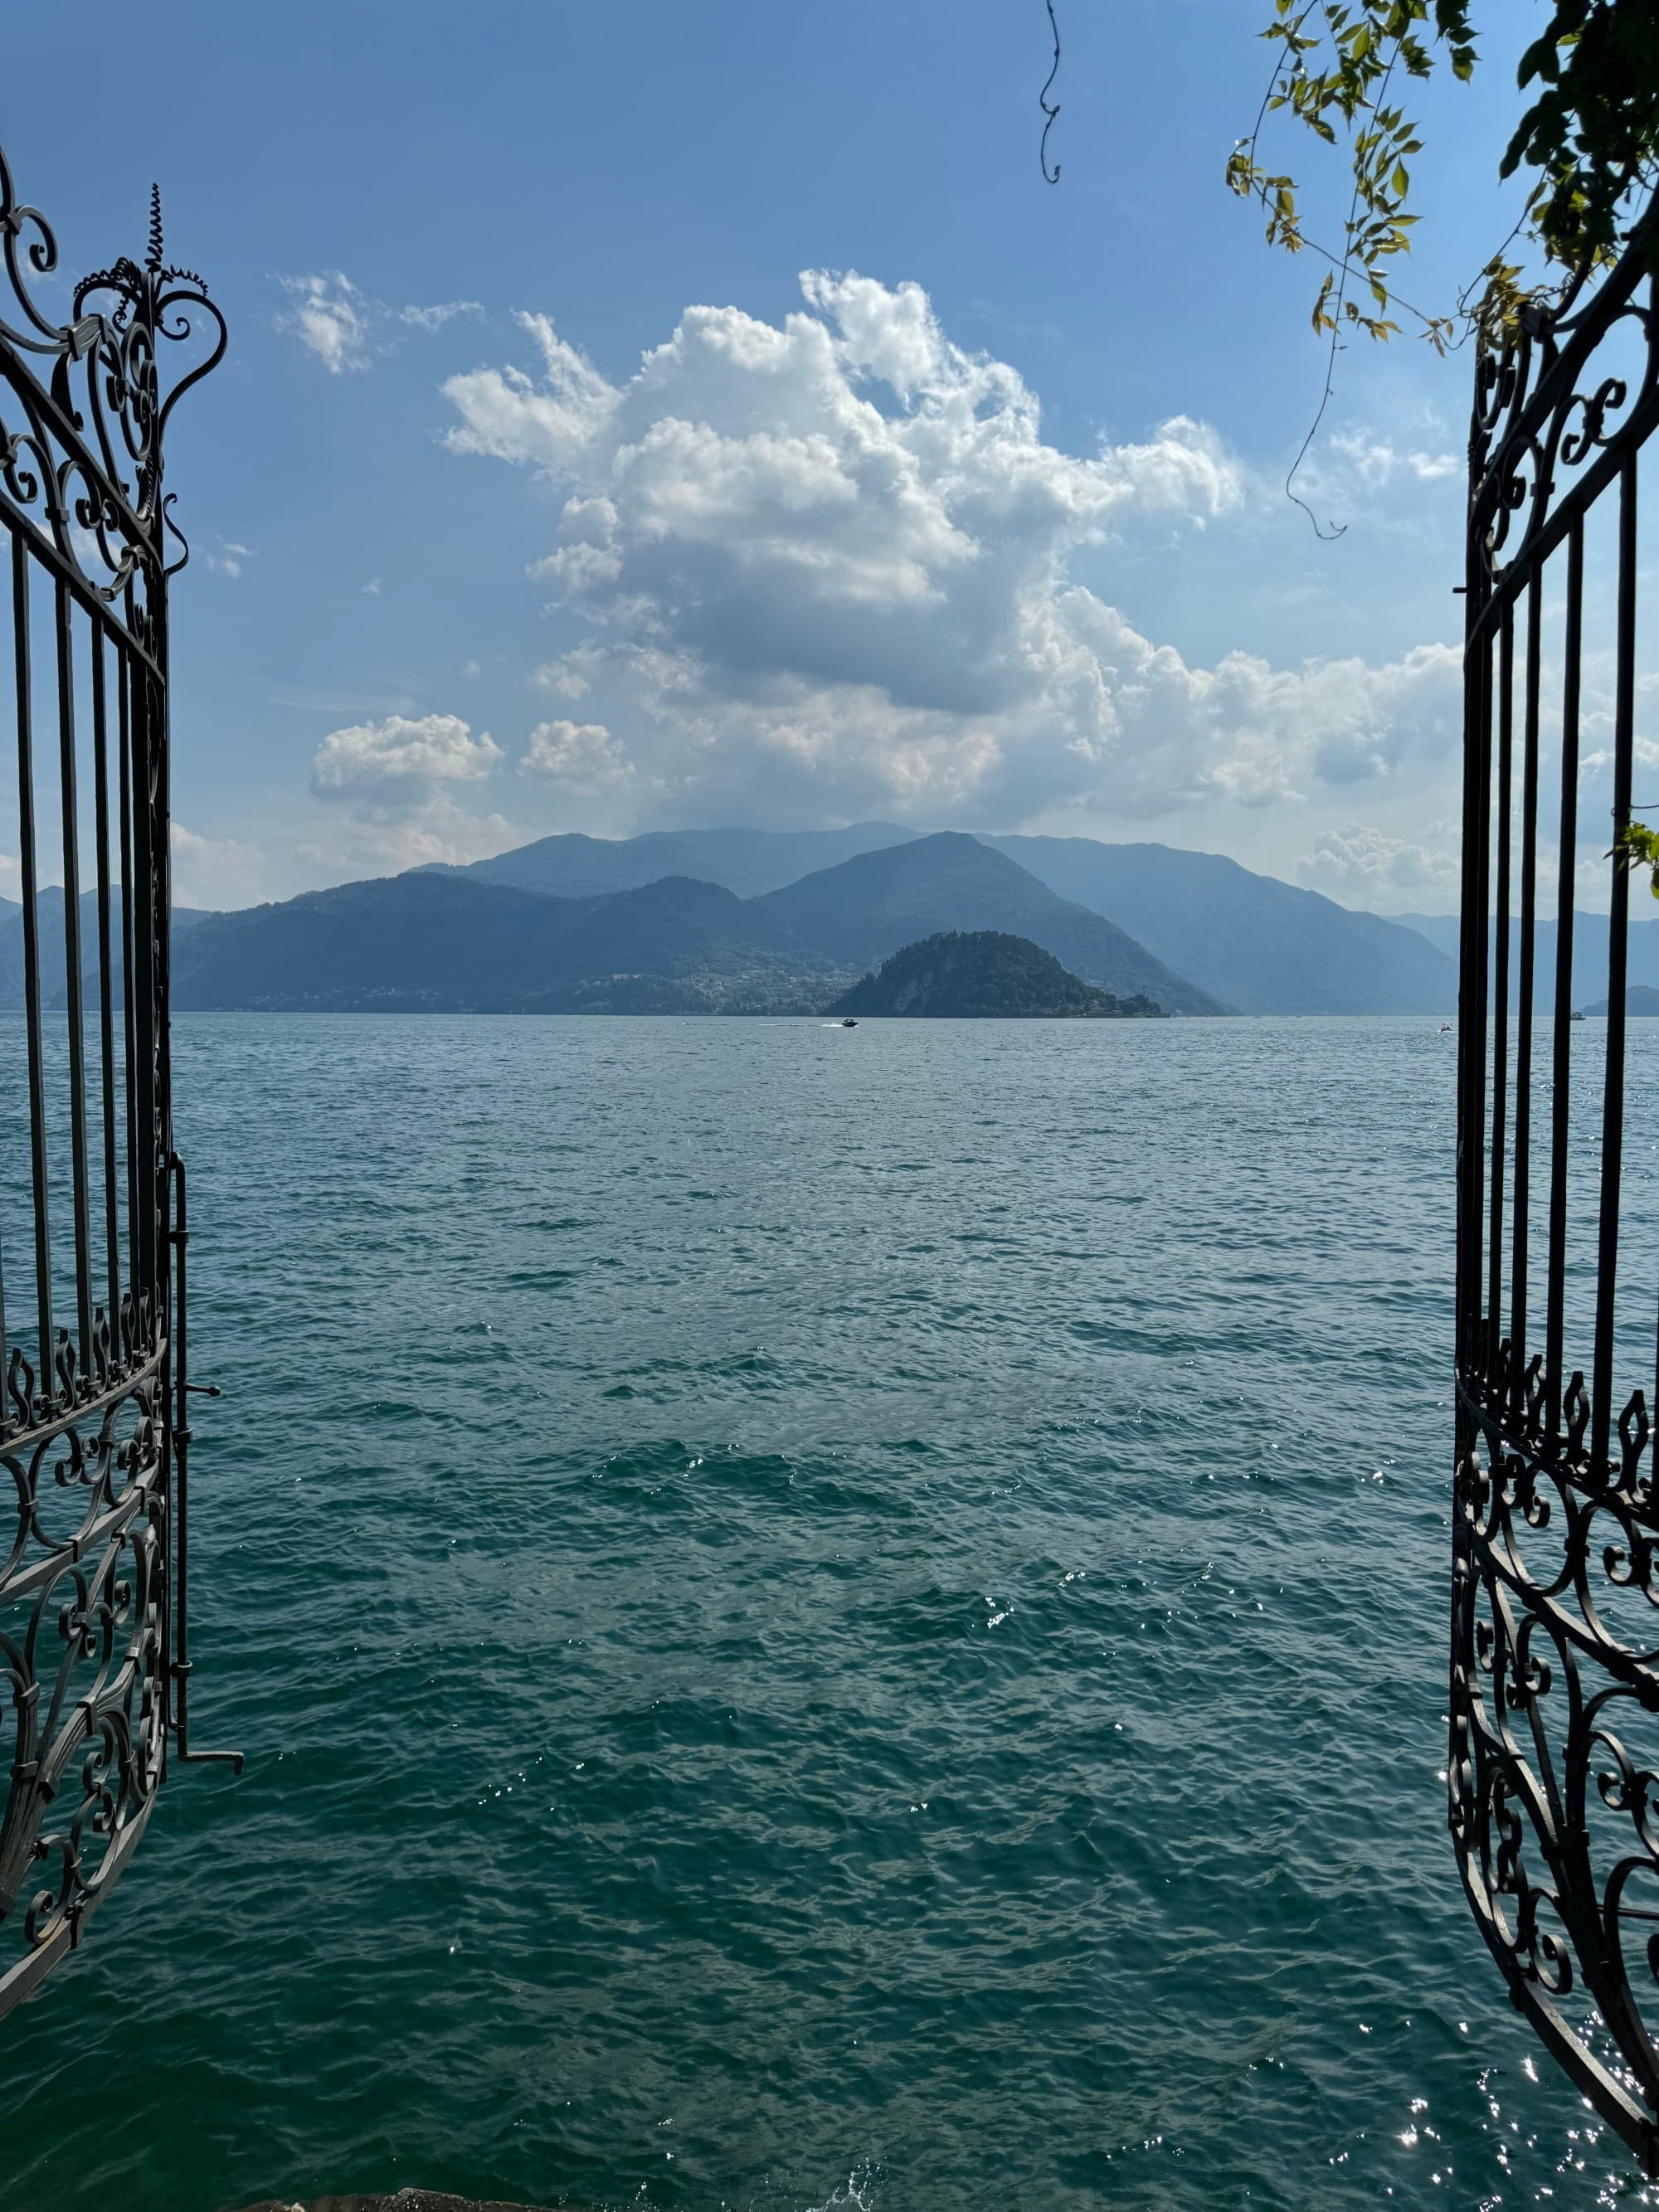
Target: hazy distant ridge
(1590, 953)
(446, 940)
(717, 920)
(1247, 940)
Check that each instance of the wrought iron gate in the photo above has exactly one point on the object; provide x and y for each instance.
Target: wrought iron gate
(1554, 1773)
(94, 1433)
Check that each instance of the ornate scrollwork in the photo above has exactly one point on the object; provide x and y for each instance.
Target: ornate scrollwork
(83, 409)
(82, 1663)
(1551, 420)
(1554, 1768)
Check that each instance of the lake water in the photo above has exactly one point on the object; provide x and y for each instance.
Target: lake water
(818, 1618)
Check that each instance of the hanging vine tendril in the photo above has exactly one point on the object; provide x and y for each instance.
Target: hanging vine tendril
(1049, 176)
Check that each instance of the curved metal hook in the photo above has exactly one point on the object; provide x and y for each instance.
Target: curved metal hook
(171, 568)
(1049, 176)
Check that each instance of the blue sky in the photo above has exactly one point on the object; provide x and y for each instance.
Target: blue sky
(537, 493)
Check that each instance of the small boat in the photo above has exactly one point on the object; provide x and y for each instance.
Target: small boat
(1579, 1013)
(1445, 1029)
(849, 1024)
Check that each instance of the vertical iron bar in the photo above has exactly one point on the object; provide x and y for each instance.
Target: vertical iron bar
(5, 1356)
(123, 800)
(73, 979)
(1523, 1032)
(20, 586)
(147, 1269)
(1613, 1093)
(106, 989)
(1472, 1000)
(1561, 1055)
(5, 1351)
(179, 1532)
(1502, 807)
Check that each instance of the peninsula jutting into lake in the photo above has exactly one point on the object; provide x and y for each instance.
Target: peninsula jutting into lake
(983, 975)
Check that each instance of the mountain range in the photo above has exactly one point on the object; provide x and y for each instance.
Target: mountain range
(746, 861)
(448, 940)
(1246, 941)
(769, 920)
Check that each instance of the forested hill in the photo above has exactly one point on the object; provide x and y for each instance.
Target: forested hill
(981, 975)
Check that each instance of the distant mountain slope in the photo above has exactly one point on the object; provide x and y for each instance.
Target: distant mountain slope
(1266, 946)
(1641, 999)
(747, 861)
(48, 911)
(436, 941)
(1440, 929)
(443, 941)
(680, 946)
(1589, 952)
(977, 976)
(430, 941)
(869, 906)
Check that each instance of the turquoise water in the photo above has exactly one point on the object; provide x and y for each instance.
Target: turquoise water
(817, 1618)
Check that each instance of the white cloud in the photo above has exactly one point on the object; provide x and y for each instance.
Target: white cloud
(1363, 867)
(226, 557)
(1375, 460)
(583, 757)
(433, 319)
(220, 872)
(389, 791)
(330, 317)
(399, 760)
(333, 319)
(11, 876)
(384, 840)
(372, 589)
(828, 567)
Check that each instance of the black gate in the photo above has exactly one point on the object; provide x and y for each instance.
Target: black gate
(1553, 1771)
(94, 1430)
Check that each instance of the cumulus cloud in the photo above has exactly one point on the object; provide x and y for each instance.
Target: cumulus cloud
(226, 557)
(401, 762)
(11, 876)
(1364, 866)
(583, 757)
(330, 319)
(828, 564)
(391, 789)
